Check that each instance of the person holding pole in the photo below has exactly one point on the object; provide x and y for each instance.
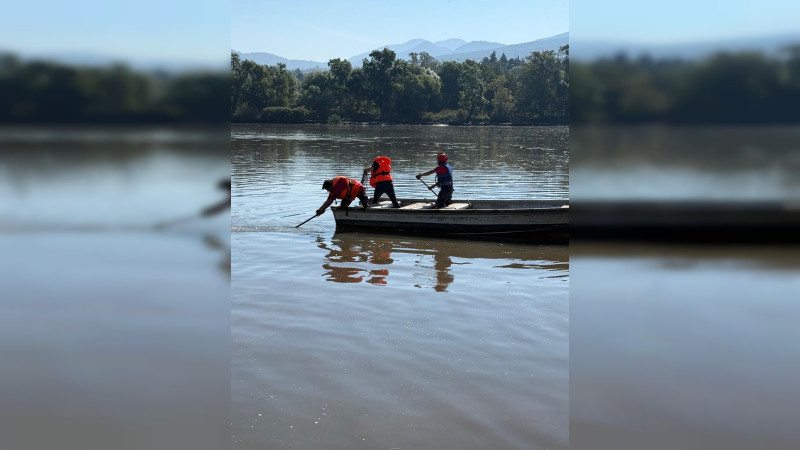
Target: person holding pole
(380, 178)
(444, 179)
(345, 189)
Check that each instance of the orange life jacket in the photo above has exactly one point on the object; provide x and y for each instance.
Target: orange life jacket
(353, 188)
(383, 171)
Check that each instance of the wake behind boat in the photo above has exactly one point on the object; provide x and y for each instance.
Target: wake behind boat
(527, 220)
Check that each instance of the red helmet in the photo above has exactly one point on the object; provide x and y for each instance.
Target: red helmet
(441, 157)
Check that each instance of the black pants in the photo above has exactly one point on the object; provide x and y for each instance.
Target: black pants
(361, 197)
(445, 196)
(385, 187)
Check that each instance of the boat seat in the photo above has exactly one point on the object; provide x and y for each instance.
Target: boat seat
(457, 206)
(382, 205)
(418, 206)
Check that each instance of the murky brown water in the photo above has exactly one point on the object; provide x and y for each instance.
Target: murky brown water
(677, 346)
(692, 162)
(114, 332)
(684, 346)
(354, 340)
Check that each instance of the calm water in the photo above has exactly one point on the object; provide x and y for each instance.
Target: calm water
(701, 162)
(114, 332)
(688, 347)
(380, 341)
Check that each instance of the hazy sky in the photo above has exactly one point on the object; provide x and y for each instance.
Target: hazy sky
(680, 21)
(188, 30)
(321, 30)
(206, 30)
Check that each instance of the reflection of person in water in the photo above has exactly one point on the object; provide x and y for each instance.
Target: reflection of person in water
(442, 265)
(380, 253)
(345, 253)
(212, 242)
(354, 253)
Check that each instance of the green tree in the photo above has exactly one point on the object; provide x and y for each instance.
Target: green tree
(316, 94)
(503, 63)
(340, 73)
(428, 62)
(283, 86)
(472, 87)
(378, 76)
(414, 90)
(449, 74)
(237, 79)
(538, 92)
(254, 91)
(502, 101)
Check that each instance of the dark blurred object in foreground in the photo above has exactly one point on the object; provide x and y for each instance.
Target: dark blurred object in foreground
(49, 92)
(116, 329)
(753, 221)
(685, 183)
(727, 88)
(672, 345)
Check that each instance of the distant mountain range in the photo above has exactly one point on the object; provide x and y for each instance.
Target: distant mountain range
(587, 51)
(450, 50)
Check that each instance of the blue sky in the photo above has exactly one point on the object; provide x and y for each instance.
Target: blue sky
(681, 21)
(206, 30)
(189, 30)
(322, 30)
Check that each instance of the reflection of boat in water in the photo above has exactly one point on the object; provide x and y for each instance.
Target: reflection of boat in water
(528, 220)
(366, 257)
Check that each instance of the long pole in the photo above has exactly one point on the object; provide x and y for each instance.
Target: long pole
(315, 215)
(426, 185)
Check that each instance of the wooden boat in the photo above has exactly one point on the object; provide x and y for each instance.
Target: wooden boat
(528, 220)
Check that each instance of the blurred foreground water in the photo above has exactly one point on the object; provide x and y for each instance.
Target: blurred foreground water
(115, 330)
(675, 345)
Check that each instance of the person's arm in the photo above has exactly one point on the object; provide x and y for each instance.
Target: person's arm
(371, 168)
(334, 192)
(325, 205)
(420, 175)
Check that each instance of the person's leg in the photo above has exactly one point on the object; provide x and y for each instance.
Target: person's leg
(345, 203)
(449, 199)
(379, 187)
(362, 197)
(441, 198)
(390, 193)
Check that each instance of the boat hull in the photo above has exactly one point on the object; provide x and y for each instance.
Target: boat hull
(502, 219)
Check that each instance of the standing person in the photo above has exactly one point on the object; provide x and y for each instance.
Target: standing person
(380, 178)
(444, 179)
(345, 189)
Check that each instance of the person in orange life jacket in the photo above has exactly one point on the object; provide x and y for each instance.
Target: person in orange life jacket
(346, 189)
(380, 178)
(444, 179)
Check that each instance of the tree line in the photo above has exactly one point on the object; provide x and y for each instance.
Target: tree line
(49, 92)
(534, 90)
(726, 88)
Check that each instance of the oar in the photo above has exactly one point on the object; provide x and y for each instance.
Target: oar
(168, 223)
(315, 215)
(426, 185)
(208, 211)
